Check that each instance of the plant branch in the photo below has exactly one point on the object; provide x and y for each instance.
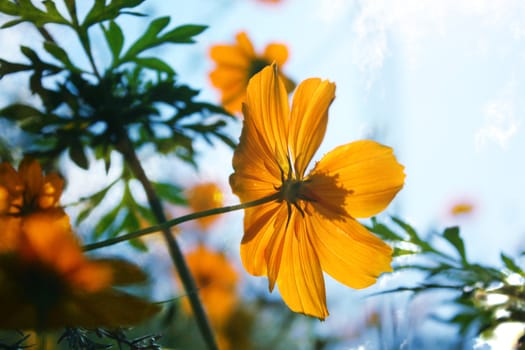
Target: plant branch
(125, 146)
(177, 221)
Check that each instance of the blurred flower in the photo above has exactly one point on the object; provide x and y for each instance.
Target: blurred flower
(310, 227)
(373, 319)
(45, 280)
(216, 280)
(461, 208)
(23, 193)
(237, 63)
(237, 333)
(202, 197)
(270, 1)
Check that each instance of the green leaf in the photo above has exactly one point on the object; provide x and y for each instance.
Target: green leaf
(30, 53)
(183, 34)
(78, 156)
(94, 200)
(52, 12)
(148, 39)
(384, 231)
(452, 235)
(138, 244)
(83, 215)
(61, 55)
(129, 224)
(8, 7)
(146, 214)
(106, 221)
(401, 252)
(71, 8)
(170, 193)
(26, 11)
(114, 38)
(20, 112)
(414, 237)
(96, 13)
(100, 11)
(28, 118)
(11, 23)
(155, 64)
(10, 67)
(511, 265)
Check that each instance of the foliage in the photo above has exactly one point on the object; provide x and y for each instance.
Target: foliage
(442, 258)
(82, 339)
(136, 101)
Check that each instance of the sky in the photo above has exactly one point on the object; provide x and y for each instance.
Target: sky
(440, 81)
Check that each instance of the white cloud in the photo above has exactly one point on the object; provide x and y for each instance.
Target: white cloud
(500, 123)
(333, 10)
(381, 23)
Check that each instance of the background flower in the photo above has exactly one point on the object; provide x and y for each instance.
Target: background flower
(202, 197)
(237, 63)
(45, 280)
(216, 281)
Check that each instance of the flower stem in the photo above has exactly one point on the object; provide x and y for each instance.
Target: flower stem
(177, 221)
(125, 147)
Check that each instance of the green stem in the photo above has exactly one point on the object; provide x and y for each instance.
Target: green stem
(177, 221)
(125, 146)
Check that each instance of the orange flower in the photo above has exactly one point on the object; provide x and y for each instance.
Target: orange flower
(461, 208)
(23, 193)
(45, 280)
(310, 227)
(237, 63)
(202, 197)
(216, 280)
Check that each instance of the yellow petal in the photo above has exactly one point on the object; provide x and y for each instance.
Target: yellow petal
(245, 45)
(10, 179)
(267, 108)
(308, 120)
(282, 229)
(326, 196)
(300, 280)
(348, 252)
(47, 237)
(11, 228)
(259, 227)
(257, 173)
(229, 78)
(51, 191)
(90, 276)
(31, 174)
(368, 170)
(228, 56)
(276, 52)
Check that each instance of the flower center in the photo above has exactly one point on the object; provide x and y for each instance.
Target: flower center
(290, 191)
(256, 65)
